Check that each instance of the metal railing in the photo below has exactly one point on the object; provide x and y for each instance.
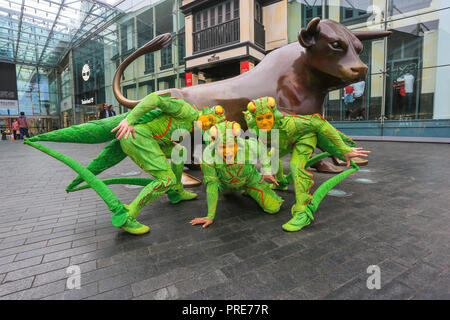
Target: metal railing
(217, 36)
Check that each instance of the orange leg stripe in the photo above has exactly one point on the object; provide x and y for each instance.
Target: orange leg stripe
(149, 193)
(262, 195)
(167, 129)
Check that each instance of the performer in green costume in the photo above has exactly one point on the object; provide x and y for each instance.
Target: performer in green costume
(149, 146)
(228, 164)
(299, 135)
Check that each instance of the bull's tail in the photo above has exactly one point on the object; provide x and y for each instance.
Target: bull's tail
(155, 44)
(96, 131)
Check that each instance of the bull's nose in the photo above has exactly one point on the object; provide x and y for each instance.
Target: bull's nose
(360, 70)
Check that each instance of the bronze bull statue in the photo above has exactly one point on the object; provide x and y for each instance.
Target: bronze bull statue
(298, 75)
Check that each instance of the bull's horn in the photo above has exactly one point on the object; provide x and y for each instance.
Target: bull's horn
(155, 44)
(370, 35)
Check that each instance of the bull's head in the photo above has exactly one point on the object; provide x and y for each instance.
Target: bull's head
(334, 50)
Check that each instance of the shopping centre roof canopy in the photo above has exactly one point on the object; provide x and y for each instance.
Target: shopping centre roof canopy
(41, 32)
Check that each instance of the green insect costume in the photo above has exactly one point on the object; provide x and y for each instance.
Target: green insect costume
(299, 136)
(240, 174)
(149, 150)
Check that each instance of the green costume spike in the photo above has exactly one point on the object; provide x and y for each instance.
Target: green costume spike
(149, 150)
(240, 173)
(299, 135)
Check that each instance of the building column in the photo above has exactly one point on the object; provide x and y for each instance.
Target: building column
(442, 93)
(246, 20)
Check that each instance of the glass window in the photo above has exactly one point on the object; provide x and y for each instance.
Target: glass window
(219, 14)
(411, 53)
(166, 56)
(205, 19)
(355, 11)
(236, 9)
(402, 6)
(198, 22)
(227, 11)
(212, 14)
(258, 12)
(149, 63)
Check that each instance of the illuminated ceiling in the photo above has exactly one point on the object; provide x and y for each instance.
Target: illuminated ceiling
(40, 32)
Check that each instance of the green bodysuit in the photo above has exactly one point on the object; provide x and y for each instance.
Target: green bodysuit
(236, 176)
(298, 135)
(150, 150)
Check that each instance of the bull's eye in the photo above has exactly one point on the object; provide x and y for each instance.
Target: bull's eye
(336, 45)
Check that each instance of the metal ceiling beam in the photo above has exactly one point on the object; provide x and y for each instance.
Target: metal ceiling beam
(20, 27)
(51, 32)
(82, 23)
(56, 4)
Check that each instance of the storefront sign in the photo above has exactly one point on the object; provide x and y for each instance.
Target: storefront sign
(86, 72)
(87, 101)
(188, 79)
(245, 66)
(213, 58)
(9, 104)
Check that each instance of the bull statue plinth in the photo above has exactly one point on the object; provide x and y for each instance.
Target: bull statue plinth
(298, 75)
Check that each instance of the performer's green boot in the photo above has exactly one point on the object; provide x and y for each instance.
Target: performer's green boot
(134, 227)
(176, 196)
(298, 221)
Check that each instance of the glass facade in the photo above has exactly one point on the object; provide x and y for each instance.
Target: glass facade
(68, 77)
(404, 93)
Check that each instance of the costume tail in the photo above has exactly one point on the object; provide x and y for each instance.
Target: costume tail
(96, 131)
(119, 211)
(110, 156)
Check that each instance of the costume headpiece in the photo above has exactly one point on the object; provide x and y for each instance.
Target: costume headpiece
(261, 106)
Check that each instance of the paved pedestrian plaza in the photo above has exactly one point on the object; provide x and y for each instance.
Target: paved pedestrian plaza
(394, 213)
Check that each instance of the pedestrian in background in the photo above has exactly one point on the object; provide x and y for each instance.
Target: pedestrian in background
(104, 112)
(112, 113)
(23, 125)
(16, 129)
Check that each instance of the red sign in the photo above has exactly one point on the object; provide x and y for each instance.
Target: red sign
(245, 66)
(188, 79)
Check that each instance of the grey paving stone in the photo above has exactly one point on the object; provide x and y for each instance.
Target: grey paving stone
(158, 282)
(437, 289)
(38, 292)
(14, 286)
(355, 289)
(394, 290)
(419, 275)
(76, 294)
(122, 293)
(20, 264)
(7, 259)
(69, 252)
(59, 274)
(42, 251)
(36, 269)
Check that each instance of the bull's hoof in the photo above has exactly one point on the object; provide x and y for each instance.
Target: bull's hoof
(189, 181)
(326, 167)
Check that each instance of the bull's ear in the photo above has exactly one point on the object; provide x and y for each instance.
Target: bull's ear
(370, 35)
(307, 37)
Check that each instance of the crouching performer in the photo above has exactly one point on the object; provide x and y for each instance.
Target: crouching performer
(229, 164)
(145, 135)
(299, 136)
